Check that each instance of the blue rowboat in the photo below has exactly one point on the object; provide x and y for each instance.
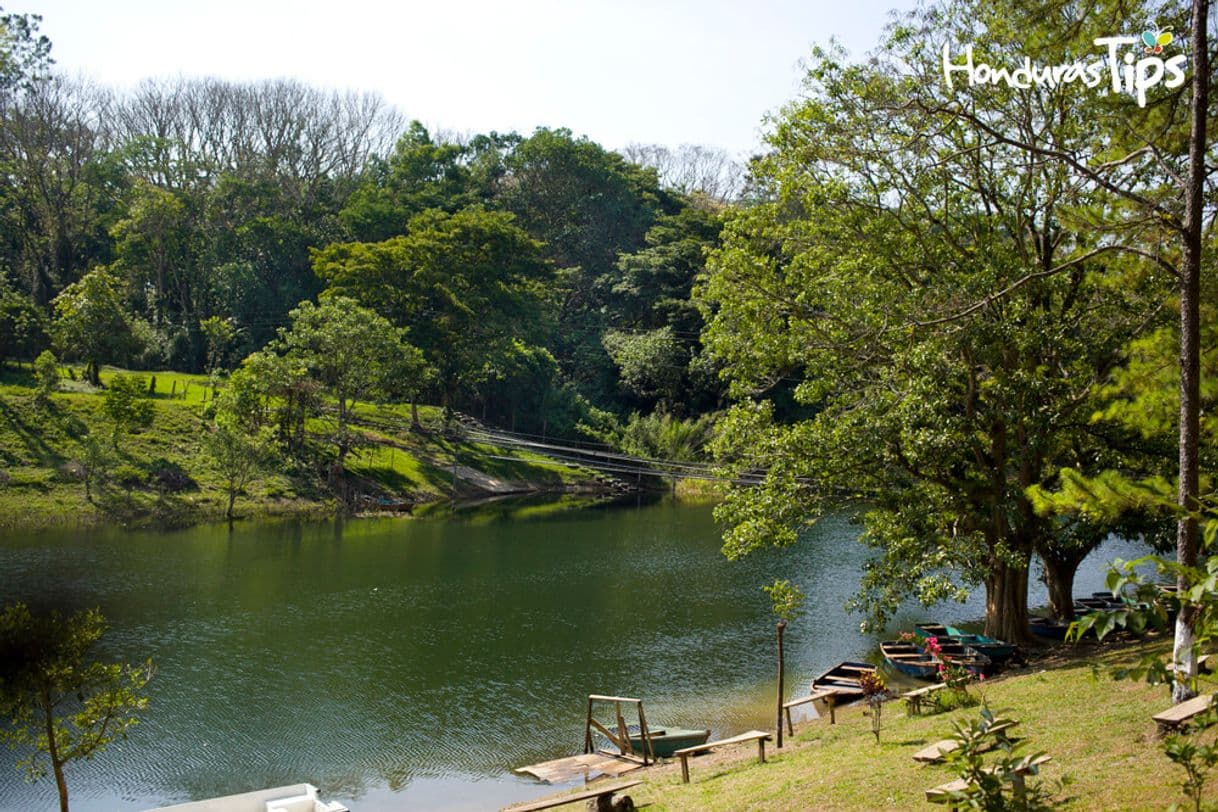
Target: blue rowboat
(997, 650)
(910, 660)
(1048, 627)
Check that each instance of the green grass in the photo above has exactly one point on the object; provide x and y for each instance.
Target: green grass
(1097, 730)
(39, 447)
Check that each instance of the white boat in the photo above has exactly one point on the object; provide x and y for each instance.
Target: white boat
(294, 798)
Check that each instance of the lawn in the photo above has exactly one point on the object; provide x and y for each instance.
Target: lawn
(1097, 730)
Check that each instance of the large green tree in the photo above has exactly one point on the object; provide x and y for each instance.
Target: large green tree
(465, 285)
(348, 349)
(1156, 163)
(935, 302)
(92, 322)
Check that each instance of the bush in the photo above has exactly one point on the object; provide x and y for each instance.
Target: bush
(46, 372)
(127, 405)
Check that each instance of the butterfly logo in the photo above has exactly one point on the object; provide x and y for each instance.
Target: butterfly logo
(1155, 40)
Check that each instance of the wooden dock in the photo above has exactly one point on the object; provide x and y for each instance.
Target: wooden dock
(586, 766)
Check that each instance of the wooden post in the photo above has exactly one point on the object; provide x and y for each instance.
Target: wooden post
(627, 747)
(648, 748)
(782, 624)
(588, 728)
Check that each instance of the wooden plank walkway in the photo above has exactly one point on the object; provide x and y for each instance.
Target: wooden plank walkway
(586, 766)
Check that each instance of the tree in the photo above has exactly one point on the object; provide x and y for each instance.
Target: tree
(91, 322)
(25, 55)
(152, 247)
(239, 451)
(588, 206)
(464, 284)
(126, 403)
(421, 174)
(348, 349)
(23, 331)
(46, 371)
(55, 697)
(93, 464)
(220, 334)
(787, 603)
(651, 364)
(847, 290)
(1156, 170)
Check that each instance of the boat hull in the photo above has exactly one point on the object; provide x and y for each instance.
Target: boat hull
(1048, 628)
(845, 678)
(997, 650)
(907, 659)
(670, 741)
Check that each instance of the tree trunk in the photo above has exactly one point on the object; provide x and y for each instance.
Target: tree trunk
(782, 624)
(414, 415)
(61, 783)
(232, 497)
(1006, 602)
(1059, 578)
(1187, 529)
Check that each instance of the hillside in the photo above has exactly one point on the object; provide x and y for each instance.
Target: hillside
(160, 475)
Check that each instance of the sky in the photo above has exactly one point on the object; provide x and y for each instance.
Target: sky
(664, 72)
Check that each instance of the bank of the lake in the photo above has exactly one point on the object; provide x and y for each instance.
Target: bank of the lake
(159, 476)
(1097, 730)
(414, 664)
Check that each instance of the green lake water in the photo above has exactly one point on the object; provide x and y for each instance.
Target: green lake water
(411, 664)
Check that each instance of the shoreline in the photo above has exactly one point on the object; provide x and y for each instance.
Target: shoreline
(822, 766)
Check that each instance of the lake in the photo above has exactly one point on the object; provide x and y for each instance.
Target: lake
(411, 664)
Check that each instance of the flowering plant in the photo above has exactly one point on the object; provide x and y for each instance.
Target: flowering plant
(873, 685)
(875, 691)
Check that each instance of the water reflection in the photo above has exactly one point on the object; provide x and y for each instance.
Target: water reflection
(412, 663)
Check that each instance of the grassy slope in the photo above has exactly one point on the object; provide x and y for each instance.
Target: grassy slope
(36, 447)
(1097, 730)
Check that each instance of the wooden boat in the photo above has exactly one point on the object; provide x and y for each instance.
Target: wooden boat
(845, 678)
(667, 740)
(1095, 604)
(910, 660)
(1047, 627)
(964, 656)
(301, 797)
(997, 650)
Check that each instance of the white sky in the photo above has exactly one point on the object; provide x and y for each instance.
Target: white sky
(668, 71)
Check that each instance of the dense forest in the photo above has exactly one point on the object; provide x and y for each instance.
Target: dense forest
(545, 279)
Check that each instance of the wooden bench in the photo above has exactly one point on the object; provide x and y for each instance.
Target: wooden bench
(1029, 766)
(830, 696)
(1178, 715)
(936, 751)
(602, 796)
(760, 736)
(913, 699)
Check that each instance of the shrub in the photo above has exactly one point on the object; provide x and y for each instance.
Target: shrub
(46, 372)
